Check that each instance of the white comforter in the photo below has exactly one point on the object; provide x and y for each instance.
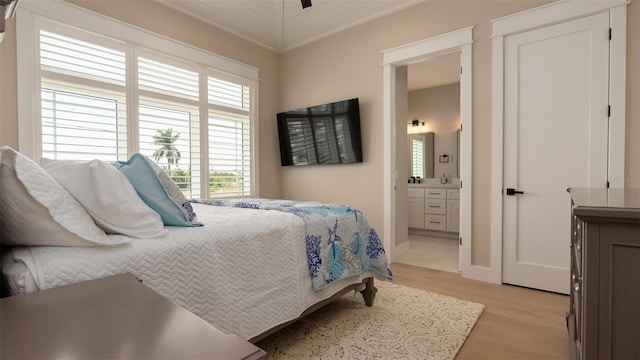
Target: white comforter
(244, 272)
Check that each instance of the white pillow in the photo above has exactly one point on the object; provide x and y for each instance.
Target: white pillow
(107, 196)
(36, 210)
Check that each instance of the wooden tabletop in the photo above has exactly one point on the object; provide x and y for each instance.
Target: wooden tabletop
(116, 317)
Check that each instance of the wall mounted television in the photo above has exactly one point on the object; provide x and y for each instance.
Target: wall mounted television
(322, 134)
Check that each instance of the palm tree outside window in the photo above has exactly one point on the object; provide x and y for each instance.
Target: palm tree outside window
(167, 141)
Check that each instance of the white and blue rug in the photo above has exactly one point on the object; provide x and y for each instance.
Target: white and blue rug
(404, 323)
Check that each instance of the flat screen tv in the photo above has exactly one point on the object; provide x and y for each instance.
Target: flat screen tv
(322, 134)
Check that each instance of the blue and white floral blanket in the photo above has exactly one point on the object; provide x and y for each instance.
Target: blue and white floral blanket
(340, 242)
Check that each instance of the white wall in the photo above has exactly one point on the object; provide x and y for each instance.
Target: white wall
(348, 64)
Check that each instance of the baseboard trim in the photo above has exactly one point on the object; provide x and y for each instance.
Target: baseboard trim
(481, 273)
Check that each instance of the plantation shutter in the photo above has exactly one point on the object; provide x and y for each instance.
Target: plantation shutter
(168, 121)
(103, 96)
(229, 138)
(83, 107)
(417, 164)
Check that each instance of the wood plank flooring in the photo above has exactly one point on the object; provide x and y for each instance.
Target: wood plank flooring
(517, 323)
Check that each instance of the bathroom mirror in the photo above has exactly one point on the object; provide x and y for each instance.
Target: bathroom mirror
(421, 157)
(425, 163)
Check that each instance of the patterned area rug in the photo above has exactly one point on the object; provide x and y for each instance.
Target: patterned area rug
(404, 323)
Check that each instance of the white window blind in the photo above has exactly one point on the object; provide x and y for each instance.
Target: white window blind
(164, 78)
(83, 109)
(66, 55)
(417, 158)
(229, 136)
(90, 110)
(169, 135)
(227, 93)
(80, 126)
(169, 120)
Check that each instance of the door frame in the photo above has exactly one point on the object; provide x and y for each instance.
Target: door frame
(550, 14)
(458, 40)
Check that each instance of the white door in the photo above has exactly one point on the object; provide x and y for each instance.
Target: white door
(555, 137)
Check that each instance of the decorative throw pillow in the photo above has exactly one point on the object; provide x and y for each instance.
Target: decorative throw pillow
(107, 196)
(158, 191)
(36, 210)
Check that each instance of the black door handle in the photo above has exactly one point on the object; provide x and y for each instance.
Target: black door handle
(511, 191)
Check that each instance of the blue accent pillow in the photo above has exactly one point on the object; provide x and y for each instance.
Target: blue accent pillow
(158, 191)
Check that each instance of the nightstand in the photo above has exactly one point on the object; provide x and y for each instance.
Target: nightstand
(110, 318)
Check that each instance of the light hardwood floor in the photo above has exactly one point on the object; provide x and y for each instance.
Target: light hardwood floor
(517, 323)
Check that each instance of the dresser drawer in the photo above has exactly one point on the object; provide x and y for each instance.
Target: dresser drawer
(435, 222)
(436, 193)
(416, 193)
(435, 206)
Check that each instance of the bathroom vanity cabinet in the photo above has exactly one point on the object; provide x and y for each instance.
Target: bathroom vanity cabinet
(433, 208)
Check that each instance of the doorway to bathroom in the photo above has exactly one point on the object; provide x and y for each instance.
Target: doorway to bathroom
(395, 67)
(432, 162)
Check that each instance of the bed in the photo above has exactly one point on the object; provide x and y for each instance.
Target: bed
(247, 266)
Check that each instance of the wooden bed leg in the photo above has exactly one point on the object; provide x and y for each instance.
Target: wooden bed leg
(369, 292)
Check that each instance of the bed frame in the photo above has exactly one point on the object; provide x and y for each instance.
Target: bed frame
(368, 293)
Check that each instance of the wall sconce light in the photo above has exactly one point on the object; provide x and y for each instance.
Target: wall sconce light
(416, 126)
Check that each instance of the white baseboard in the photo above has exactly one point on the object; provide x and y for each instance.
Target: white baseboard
(481, 273)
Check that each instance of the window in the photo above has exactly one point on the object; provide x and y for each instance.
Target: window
(229, 137)
(168, 118)
(103, 96)
(417, 157)
(82, 96)
(229, 159)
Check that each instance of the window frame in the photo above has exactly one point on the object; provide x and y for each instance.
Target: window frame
(31, 16)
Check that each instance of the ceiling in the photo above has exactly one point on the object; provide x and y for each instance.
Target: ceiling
(435, 71)
(282, 25)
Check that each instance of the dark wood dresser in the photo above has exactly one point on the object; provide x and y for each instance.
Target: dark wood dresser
(604, 315)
